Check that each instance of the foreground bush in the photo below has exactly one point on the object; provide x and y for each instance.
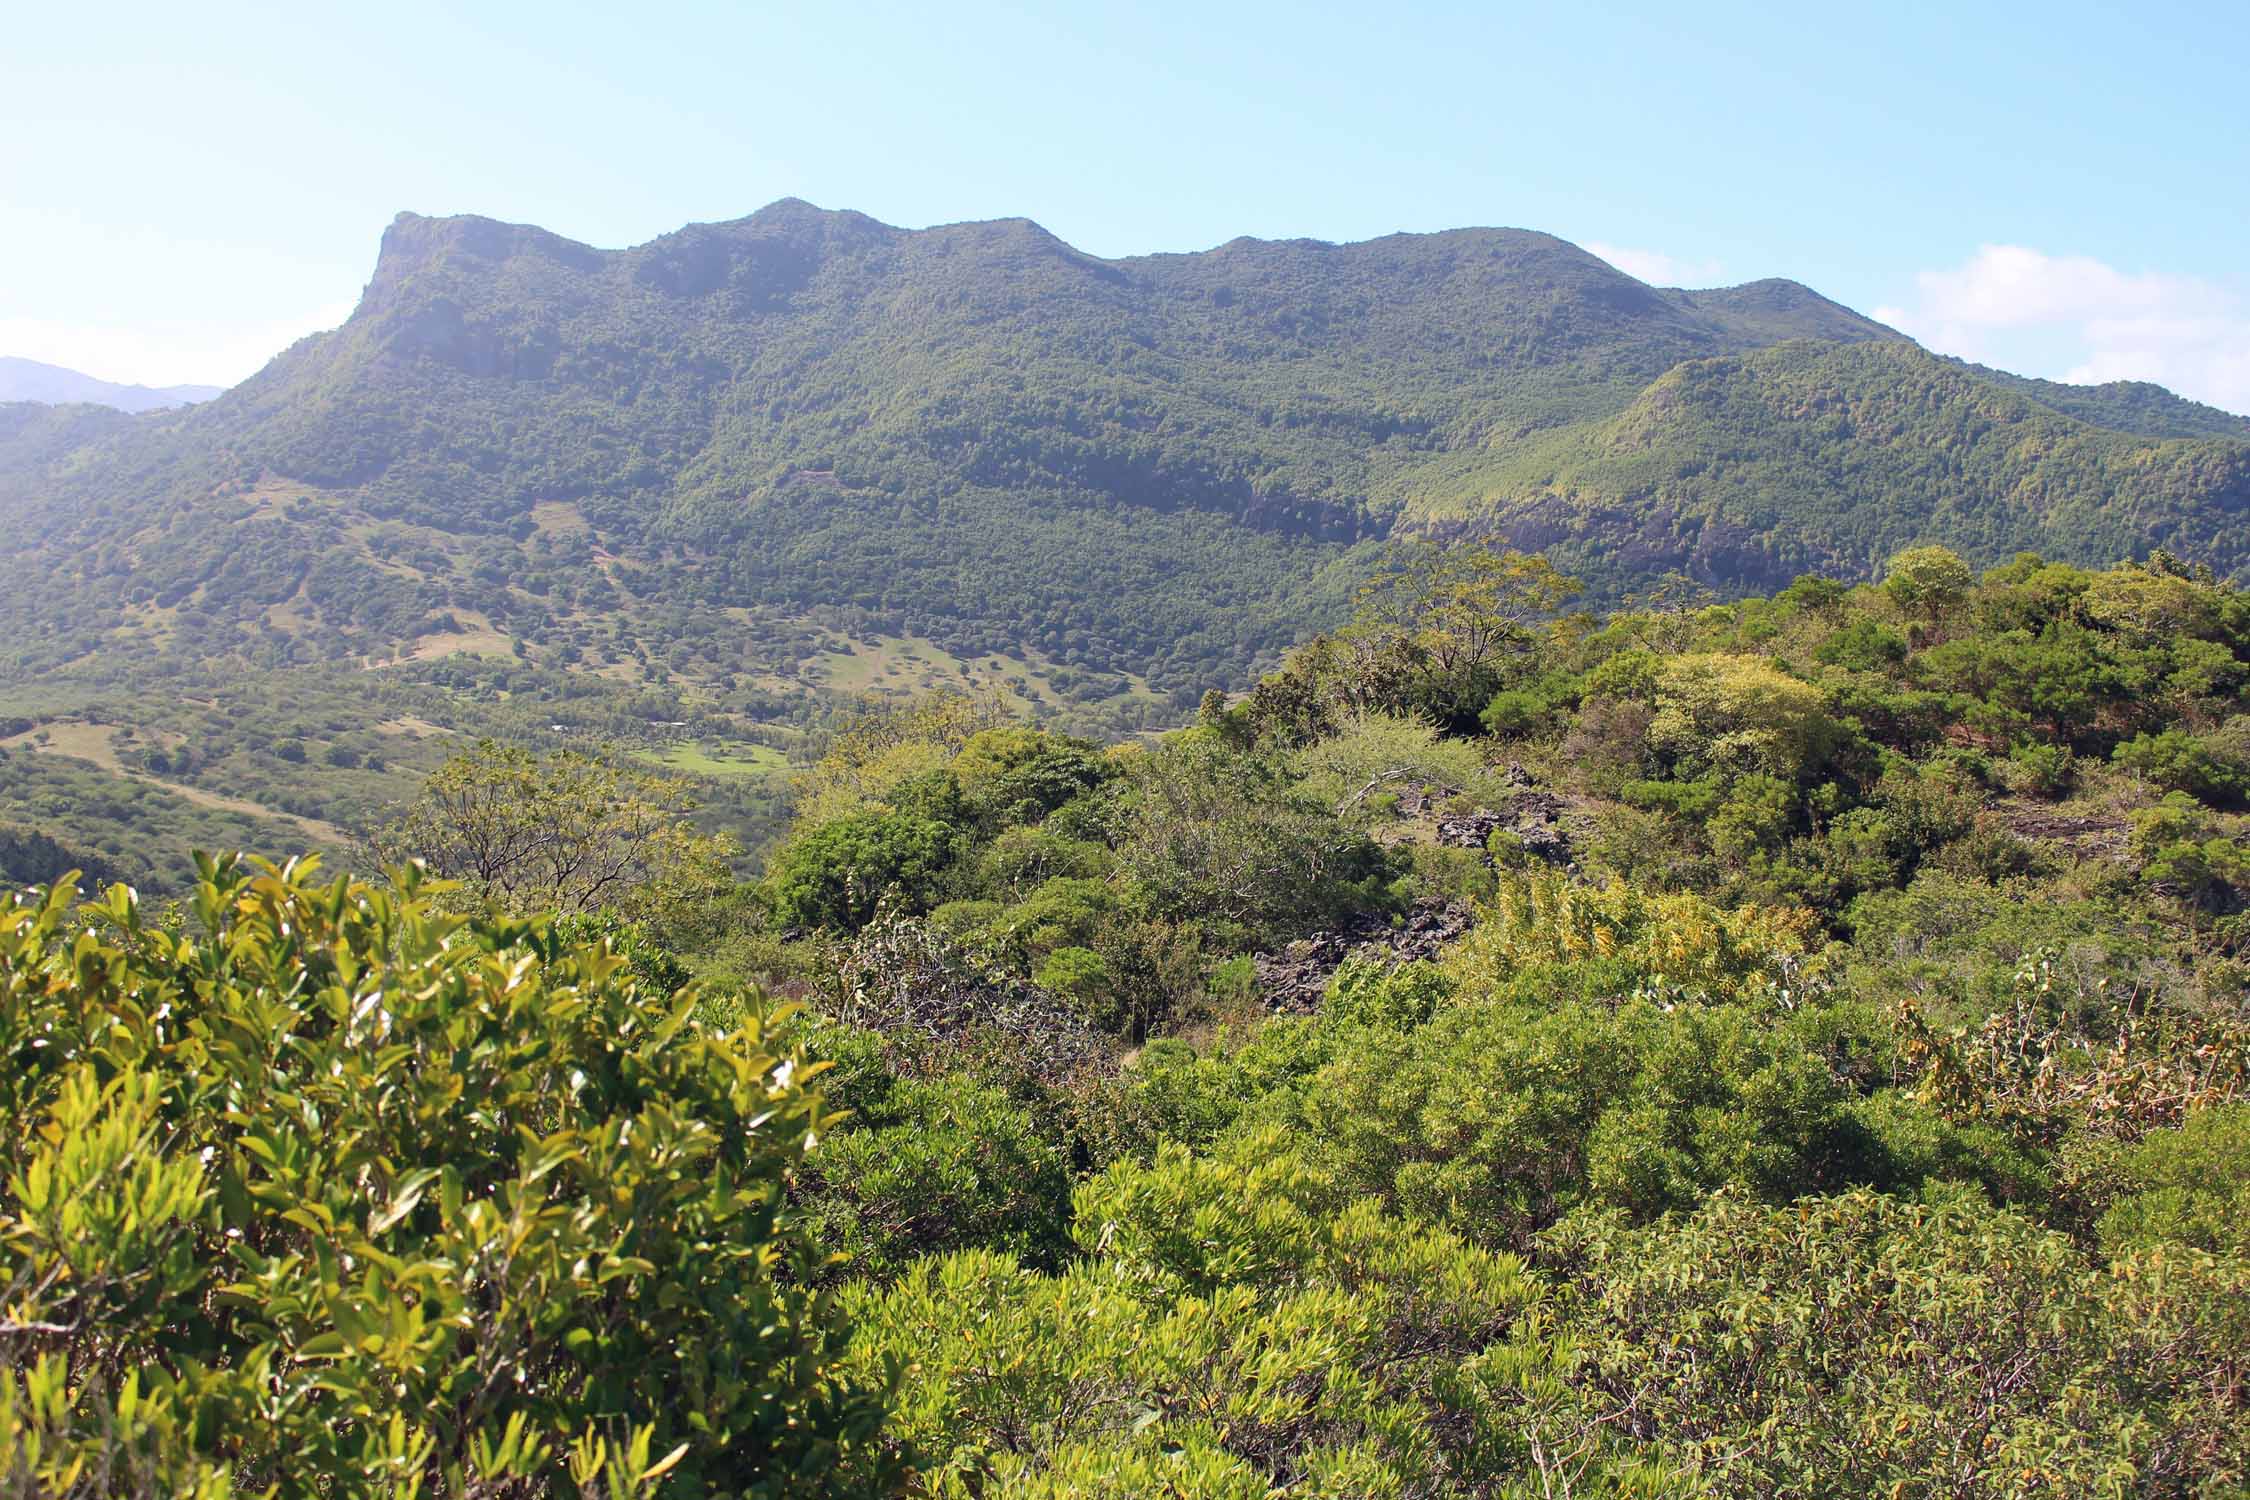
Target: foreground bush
(1862, 1345)
(341, 1195)
(1238, 1332)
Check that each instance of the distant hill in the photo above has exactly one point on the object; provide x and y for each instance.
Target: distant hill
(1154, 471)
(1811, 457)
(29, 380)
(2126, 406)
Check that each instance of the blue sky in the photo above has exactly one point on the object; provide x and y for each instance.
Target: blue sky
(2054, 187)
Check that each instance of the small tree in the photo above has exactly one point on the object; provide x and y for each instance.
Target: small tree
(564, 832)
(1442, 621)
(1737, 714)
(881, 743)
(839, 874)
(1928, 581)
(1216, 834)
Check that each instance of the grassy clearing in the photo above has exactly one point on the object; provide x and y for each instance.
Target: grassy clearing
(411, 727)
(476, 637)
(558, 518)
(913, 665)
(92, 743)
(74, 738)
(725, 759)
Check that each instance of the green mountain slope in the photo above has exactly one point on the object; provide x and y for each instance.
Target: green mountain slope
(1824, 457)
(2126, 406)
(973, 433)
(686, 495)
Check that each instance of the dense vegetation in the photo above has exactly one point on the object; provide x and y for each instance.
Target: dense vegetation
(406, 1203)
(1808, 456)
(806, 412)
(686, 499)
(1798, 1046)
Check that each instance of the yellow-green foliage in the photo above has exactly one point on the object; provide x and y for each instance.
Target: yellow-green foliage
(991, 753)
(2152, 606)
(335, 1193)
(1237, 1335)
(1866, 1345)
(885, 745)
(1371, 755)
(1928, 580)
(1677, 943)
(830, 791)
(1735, 714)
(563, 832)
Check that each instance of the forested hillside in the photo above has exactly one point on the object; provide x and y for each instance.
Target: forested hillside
(1758, 467)
(1796, 1046)
(692, 497)
(976, 434)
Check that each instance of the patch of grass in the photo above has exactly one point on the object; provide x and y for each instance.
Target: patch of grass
(727, 759)
(914, 665)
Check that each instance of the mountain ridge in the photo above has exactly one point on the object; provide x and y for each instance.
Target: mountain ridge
(1147, 465)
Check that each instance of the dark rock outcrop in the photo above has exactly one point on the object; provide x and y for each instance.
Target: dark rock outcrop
(1293, 980)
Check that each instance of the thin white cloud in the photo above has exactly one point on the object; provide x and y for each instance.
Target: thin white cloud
(179, 352)
(2071, 317)
(1658, 269)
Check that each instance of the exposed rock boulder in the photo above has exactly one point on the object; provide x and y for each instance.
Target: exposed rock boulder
(1293, 980)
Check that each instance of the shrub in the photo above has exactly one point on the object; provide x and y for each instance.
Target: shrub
(1756, 818)
(1609, 741)
(1514, 713)
(2183, 855)
(1628, 676)
(2041, 769)
(1235, 1335)
(337, 1187)
(1022, 858)
(1737, 714)
(1078, 975)
(838, 874)
(1369, 753)
(1217, 835)
(2186, 1186)
(1494, 1120)
(1365, 992)
(2041, 1071)
(1670, 947)
(961, 1010)
(2213, 768)
(939, 1164)
(1864, 646)
(1860, 1345)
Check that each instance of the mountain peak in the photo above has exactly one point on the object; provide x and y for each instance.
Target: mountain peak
(420, 254)
(417, 239)
(796, 213)
(1776, 309)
